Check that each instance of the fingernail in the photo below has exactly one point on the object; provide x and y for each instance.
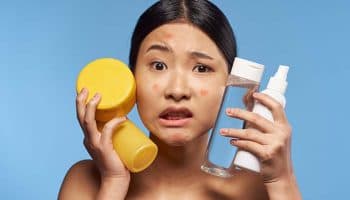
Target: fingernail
(231, 110)
(234, 140)
(123, 119)
(223, 131)
(83, 91)
(97, 95)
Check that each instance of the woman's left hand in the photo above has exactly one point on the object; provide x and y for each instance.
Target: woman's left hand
(269, 141)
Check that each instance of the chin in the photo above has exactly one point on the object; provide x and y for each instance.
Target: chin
(176, 142)
(175, 138)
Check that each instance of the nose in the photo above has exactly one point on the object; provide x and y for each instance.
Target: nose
(178, 87)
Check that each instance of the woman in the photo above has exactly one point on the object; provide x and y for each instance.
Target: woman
(181, 53)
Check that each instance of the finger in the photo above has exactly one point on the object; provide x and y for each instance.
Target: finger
(81, 105)
(109, 128)
(274, 106)
(260, 122)
(253, 147)
(89, 120)
(245, 134)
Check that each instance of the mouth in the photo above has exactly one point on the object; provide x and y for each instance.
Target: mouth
(175, 117)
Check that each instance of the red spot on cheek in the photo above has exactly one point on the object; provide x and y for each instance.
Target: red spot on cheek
(203, 92)
(155, 87)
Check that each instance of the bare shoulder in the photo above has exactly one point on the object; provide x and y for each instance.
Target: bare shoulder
(81, 181)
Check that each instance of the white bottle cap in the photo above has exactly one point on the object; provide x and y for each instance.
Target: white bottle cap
(279, 81)
(247, 160)
(247, 69)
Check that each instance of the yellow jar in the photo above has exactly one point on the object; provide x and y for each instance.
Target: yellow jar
(115, 82)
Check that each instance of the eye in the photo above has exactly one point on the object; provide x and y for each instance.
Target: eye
(159, 66)
(202, 68)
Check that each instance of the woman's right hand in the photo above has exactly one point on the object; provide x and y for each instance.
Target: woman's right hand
(99, 143)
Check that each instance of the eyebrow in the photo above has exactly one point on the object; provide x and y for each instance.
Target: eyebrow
(200, 55)
(159, 47)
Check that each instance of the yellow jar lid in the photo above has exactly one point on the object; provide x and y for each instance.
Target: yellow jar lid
(114, 81)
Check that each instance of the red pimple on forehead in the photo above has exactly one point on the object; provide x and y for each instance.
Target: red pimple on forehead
(203, 92)
(168, 35)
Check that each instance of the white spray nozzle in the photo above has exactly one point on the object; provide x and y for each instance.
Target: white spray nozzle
(282, 72)
(279, 81)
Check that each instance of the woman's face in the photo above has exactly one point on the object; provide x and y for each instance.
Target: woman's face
(180, 75)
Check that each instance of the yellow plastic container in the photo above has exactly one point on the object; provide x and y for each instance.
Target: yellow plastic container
(116, 84)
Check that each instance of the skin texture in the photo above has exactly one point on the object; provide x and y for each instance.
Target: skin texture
(179, 83)
(179, 66)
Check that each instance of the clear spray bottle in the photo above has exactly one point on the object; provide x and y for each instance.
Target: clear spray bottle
(276, 88)
(242, 82)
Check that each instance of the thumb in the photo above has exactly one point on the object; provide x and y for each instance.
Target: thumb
(109, 128)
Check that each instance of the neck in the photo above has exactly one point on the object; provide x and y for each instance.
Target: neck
(173, 164)
(182, 157)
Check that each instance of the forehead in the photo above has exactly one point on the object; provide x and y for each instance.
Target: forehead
(181, 36)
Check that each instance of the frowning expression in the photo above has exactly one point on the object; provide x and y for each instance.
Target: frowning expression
(180, 75)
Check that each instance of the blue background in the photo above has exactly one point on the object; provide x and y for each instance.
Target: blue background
(44, 45)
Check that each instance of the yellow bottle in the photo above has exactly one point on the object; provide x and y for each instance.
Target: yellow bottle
(116, 84)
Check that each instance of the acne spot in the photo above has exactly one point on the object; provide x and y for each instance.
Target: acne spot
(168, 35)
(155, 87)
(203, 92)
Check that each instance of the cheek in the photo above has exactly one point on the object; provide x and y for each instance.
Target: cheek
(211, 99)
(146, 94)
(145, 102)
(155, 87)
(203, 92)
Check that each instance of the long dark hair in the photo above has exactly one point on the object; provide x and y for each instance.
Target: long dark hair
(201, 13)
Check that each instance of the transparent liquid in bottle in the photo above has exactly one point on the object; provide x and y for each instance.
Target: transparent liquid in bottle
(220, 153)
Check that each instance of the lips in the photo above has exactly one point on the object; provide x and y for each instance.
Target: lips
(175, 117)
(175, 113)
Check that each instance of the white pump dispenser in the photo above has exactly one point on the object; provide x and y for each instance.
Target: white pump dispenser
(275, 88)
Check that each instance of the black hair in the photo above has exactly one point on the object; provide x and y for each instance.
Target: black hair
(201, 13)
